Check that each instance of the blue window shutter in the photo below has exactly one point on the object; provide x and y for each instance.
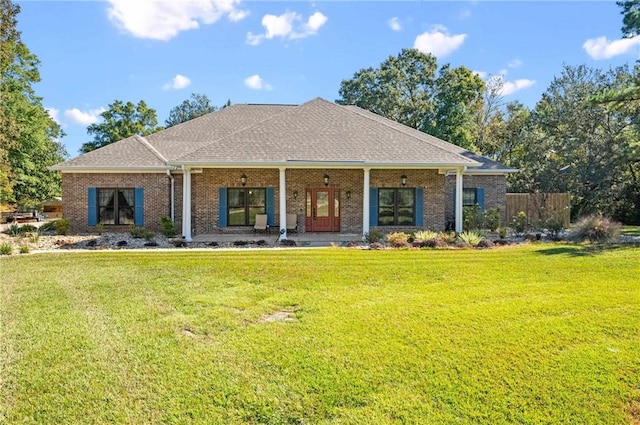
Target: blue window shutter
(419, 206)
(271, 206)
(138, 218)
(92, 206)
(480, 198)
(373, 206)
(222, 207)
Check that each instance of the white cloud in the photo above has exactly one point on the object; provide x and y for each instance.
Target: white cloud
(394, 24)
(602, 48)
(85, 118)
(510, 87)
(481, 74)
(163, 20)
(438, 42)
(503, 72)
(54, 114)
(256, 82)
(516, 63)
(178, 82)
(287, 26)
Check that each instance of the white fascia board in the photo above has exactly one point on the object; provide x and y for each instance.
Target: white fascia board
(328, 164)
(120, 170)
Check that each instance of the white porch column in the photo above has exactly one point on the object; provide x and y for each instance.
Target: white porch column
(365, 201)
(283, 205)
(458, 209)
(186, 204)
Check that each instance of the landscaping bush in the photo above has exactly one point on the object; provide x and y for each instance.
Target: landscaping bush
(492, 219)
(554, 226)
(141, 233)
(425, 235)
(434, 243)
(398, 239)
(168, 227)
(13, 230)
(595, 228)
(99, 228)
(49, 226)
(471, 218)
(33, 237)
(519, 223)
(471, 238)
(502, 232)
(6, 249)
(28, 228)
(24, 249)
(62, 226)
(373, 236)
(376, 245)
(448, 237)
(486, 243)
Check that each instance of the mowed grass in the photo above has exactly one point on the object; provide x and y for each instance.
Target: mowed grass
(532, 335)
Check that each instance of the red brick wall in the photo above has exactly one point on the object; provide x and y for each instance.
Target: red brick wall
(74, 195)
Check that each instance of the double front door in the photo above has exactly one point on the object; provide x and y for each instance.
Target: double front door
(323, 210)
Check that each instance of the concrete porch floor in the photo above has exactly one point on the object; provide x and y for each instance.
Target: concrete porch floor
(301, 239)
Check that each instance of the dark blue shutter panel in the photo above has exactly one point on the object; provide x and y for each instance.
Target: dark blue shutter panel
(480, 198)
(271, 206)
(92, 206)
(222, 207)
(138, 201)
(419, 206)
(373, 206)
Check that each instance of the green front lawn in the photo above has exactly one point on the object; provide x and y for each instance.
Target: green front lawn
(537, 334)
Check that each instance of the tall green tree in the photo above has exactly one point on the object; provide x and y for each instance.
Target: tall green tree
(409, 88)
(577, 146)
(120, 121)
(29, 138)
(196, 106)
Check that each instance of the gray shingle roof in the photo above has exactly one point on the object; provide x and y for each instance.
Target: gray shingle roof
(287, 135)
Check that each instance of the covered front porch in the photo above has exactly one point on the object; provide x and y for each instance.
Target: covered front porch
(337, 198)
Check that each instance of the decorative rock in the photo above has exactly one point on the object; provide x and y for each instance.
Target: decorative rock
(151, 244)
(122, 243)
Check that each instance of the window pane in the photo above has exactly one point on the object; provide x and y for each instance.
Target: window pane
(106, 206)
(385, 216)
(322, 204)
(126, 206)
(336, 204)
(237, 216)
(257, 200)
(235, 198)
(386, 197)
(406, 197)
(405, 216)
(308, 204)
(468, 197)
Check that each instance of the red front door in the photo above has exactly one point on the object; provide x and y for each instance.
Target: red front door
(323, 210)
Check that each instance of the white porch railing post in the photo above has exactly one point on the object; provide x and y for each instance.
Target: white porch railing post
(458, 208)
(283, 205)
(186, 204)
(366, 201)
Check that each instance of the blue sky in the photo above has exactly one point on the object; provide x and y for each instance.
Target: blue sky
(94, 52)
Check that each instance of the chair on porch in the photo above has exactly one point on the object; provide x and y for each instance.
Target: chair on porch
(261, 223)
(292, 222)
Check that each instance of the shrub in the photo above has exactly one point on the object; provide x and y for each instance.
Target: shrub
(373, 236)
(471, 218)
(486, 243)
(448, 237)
(398, 239)
(99, 228)
(502, 232)
(595, 228)
(141, 233)
(472, 238)
(168, 227)
(28, 228)
(520, 223)
(376, 245)
(425, 235)
(33, 237)
(62, 226)
(492, 219)
(13, 230)
(49, 226)
(24, 249)
(6, 249)
(434, 243)
(554, 226)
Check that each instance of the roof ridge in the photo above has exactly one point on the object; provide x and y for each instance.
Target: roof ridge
(199, 148)
(149, 146)
(385, 121)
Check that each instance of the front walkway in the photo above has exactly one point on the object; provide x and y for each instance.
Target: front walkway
(301, 239)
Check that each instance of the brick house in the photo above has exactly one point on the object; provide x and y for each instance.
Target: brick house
(338, 168)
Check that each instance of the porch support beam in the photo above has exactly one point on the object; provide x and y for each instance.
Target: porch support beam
(186, 204)
(458, 209)
(366, 201)
(283, 205)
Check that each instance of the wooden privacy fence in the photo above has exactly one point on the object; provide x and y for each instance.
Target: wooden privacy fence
(539, 206)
